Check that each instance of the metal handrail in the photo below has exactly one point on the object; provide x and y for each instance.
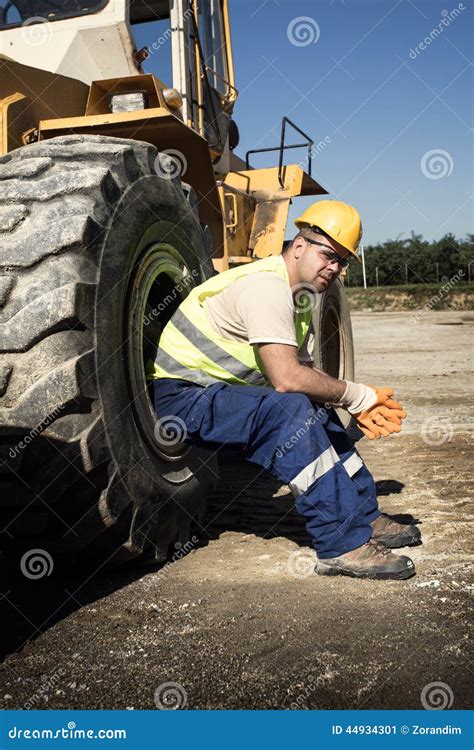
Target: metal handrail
(224, 80)
(283, 147)
(232, 189)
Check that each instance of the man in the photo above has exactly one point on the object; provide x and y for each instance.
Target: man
(230, 367)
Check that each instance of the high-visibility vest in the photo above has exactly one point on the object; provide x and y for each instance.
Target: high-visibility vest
(191, 349)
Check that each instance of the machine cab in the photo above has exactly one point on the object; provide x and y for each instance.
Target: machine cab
(91, 40)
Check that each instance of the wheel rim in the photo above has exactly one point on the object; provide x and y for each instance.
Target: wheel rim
(159, 282)
(332, 342)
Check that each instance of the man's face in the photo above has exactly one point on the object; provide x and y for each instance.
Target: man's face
(316, 264)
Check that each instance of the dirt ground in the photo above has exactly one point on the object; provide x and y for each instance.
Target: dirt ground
(241, 621)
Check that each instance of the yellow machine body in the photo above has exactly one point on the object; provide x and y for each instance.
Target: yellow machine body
(246, 209)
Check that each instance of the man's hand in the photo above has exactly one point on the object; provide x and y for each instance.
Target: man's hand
(376, 412)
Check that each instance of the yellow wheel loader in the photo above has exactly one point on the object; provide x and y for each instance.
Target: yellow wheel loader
(118, 192)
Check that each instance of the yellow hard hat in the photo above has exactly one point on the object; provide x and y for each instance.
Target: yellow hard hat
(339, 220)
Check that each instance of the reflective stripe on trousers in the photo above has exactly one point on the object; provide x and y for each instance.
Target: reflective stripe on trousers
(301, 444)
(323, 463)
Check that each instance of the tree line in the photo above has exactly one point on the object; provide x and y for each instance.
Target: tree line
(415, 261)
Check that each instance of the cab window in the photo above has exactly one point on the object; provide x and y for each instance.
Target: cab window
(16, 12)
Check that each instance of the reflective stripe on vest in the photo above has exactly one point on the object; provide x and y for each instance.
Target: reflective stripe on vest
(190, 348)
(216, 353)
(172, 369)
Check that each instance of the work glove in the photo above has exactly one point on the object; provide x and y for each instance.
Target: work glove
(376, 413)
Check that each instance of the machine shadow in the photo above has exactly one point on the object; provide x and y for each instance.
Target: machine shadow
(248, 500)
(28, 607)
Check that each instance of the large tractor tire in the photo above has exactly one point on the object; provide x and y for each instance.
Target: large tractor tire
(99, 243)
(333, 347)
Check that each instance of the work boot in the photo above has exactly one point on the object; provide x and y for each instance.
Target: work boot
(371, 560)
(391, 534)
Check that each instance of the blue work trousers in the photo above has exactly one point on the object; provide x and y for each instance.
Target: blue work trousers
(299, 442)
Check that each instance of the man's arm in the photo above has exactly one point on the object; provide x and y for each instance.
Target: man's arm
(376, 412)
(288, 375)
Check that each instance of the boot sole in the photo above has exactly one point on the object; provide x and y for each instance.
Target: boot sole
(399, 575)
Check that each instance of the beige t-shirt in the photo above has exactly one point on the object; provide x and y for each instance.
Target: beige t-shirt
(257, 309)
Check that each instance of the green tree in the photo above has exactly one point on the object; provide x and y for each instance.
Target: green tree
(414, 260)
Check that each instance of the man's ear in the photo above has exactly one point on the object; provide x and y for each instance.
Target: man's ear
(298, 245)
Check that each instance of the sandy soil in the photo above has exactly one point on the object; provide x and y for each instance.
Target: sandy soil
(241, 621)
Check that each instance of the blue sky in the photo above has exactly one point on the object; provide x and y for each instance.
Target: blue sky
(356, 78)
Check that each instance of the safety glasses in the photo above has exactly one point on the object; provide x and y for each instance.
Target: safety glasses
(329, 254)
